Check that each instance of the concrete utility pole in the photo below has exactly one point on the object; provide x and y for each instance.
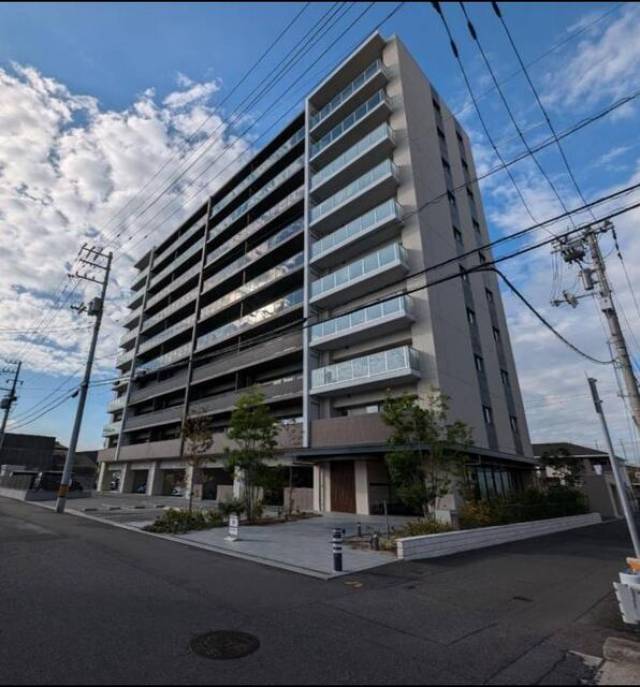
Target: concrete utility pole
(594, 280)
(9, 400)
(615, 468)
(95, 308)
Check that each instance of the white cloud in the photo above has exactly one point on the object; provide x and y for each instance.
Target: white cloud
(604, 66)
(68, 168)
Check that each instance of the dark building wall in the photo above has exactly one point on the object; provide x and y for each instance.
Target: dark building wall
(29, 450)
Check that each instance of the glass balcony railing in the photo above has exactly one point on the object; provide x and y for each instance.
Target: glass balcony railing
(177, 262)
(275, 273)
(167, 358)
(111, 429)
(257, 224)
(353, 189)
(258, 316)
(116, 403)
(124, 358)
(348, 122)
(170, 309)
(259, 195)
(270, 161)
(255, 253)
(380, 133)
(178, 242)
(345, 93)
(182, 279)
(358, 319)
(361, 225)
(177, 328)
(402, 360)
(355, 271)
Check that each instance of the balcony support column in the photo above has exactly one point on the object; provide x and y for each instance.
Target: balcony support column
(126, 479)
(154, 480)
(103, 477)
(362, 487)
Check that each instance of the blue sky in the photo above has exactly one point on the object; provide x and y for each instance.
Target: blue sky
(95, 95)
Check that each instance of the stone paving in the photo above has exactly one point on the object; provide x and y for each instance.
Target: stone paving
(302, 546)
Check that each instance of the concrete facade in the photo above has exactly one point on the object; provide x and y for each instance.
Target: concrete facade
(333, 223)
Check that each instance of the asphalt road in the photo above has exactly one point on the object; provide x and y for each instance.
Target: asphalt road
(82, 602)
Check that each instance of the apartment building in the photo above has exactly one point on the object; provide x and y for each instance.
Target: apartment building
(301, 275)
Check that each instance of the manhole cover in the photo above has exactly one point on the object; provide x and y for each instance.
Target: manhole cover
(224, 644)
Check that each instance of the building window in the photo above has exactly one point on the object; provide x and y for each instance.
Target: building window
(505, 377)
(471, 316)
(463, 274)
(362, 410)
(479, 363)
(457, 235)
(489, 295)
(476, 225)
(452, 199)
(496, 334)
(488, 414)
(513, 420)
(470, 195)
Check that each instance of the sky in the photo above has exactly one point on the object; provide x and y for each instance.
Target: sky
(103, 105)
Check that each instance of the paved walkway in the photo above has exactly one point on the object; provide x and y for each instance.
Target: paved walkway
(302, 546)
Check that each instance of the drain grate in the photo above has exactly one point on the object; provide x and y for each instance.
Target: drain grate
(224, 644)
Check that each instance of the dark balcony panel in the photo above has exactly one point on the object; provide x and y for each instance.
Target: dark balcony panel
(352, 430)
(154, 389)
(159, 417)
(151, 450)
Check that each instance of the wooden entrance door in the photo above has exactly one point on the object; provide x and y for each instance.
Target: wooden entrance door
(343, 487)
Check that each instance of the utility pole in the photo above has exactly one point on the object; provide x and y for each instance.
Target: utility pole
(615, 468)
(95, 308)
(594, 280)
(9, 400)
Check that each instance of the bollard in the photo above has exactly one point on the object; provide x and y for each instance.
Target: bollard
(375, 542)
(359, 530)
(337, 550)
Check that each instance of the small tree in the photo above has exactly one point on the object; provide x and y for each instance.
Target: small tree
(254, 432)
(198, 439)
(426, 451)
(567, 468)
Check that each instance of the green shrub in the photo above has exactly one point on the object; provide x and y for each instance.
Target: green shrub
(530, 504)
(177, 521)
(226, 508)
(415, 528)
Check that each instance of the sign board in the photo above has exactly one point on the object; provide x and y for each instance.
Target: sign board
(234, 527)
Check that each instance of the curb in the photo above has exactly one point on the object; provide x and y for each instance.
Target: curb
(309, 572)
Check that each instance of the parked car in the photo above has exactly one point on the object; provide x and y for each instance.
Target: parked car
(178, 490)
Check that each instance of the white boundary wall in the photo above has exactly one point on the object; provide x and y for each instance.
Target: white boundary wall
(446, 543)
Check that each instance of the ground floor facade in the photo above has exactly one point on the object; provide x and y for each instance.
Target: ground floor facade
(331, 481)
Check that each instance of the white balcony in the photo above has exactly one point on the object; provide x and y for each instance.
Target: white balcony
(380, 268)
(371, 79)
(368, 190)
(363, 119)
(366, 231)
(128, 337)
(395, 366)
(112, 429)
(124, 358)
(132, 316)
(116, 403)
(363, 324)
(370, 150)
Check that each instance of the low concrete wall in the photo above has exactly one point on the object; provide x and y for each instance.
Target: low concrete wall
(34, 495)
(447, 543)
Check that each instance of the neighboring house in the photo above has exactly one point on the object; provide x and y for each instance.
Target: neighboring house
(596, 477)
(32, 453)
(371, 183)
